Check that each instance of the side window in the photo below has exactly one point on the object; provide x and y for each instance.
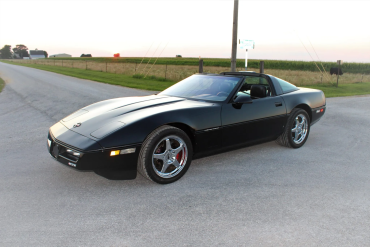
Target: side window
(256, 87)
(286, 86)
(256, 81)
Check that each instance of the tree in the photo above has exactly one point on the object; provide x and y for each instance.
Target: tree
(24, 53)
(21, 51)
(46, 54)
(6, 52)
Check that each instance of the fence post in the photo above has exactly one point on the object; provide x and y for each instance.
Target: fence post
(262, 67)
(106, 67)
(62, 63)
(86, 65)
(165, 73)
(339, 64)
(135, 67)
(338, 75)
(200, 65)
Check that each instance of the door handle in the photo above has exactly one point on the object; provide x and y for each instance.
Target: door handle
(278, 104)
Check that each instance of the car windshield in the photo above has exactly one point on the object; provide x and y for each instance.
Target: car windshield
(203, 87)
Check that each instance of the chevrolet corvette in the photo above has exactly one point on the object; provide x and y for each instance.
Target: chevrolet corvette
(159, 135)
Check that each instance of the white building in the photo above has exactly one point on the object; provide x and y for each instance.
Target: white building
(36, 54)
(61, 55)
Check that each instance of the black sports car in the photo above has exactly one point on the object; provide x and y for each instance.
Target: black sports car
(159, 135)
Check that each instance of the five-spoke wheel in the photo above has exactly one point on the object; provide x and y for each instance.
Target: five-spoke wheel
(296, 129)
(169, 157)
(300, 127)
(165, 155)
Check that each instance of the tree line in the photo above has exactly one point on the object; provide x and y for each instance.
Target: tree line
(19, 51)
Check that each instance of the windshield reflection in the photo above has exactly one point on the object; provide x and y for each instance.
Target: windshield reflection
(203, 87)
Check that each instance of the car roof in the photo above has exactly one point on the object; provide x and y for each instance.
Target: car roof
(232, 73)
(242, 73)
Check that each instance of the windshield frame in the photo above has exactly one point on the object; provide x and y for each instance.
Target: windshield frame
(241, 78)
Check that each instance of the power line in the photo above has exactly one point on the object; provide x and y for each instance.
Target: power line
(317, 57)
(309, 54)
(156, 59)
(152, 55)
(145, 55)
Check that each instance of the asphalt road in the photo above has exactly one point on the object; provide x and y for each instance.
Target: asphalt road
(265, 195)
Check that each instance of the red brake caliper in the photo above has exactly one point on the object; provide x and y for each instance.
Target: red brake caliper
(178, 156)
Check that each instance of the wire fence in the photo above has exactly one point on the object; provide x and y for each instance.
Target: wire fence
(179, 72)
(169, 72)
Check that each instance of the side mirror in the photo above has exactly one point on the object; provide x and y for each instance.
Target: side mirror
(242, 99)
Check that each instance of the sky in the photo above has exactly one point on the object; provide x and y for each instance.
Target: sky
(283, 30)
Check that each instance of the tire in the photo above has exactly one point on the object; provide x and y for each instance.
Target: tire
(296, 129)
(165, 155)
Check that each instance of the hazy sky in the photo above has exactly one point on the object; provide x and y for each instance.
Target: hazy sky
(336, 29)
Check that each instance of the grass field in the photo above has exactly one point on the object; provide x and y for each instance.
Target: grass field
(158, 84)
(343, 90)
(361, 68)
(109, 78)
(179, 72)
(2, 84)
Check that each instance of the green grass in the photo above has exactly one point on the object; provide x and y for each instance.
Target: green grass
(159, 84)
(343, 89)
(2, 84)
(361, 68)
(149, 83)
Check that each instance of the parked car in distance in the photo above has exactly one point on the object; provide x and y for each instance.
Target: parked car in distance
(159, 135)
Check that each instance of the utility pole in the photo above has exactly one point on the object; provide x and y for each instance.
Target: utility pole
(339, 62)
(235, 36)
(200, 65)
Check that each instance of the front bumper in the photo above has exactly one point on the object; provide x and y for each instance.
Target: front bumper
(122, 166)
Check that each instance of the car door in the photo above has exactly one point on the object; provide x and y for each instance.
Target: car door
(261, 119)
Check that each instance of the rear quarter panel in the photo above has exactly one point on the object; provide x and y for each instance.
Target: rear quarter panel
(313, 98)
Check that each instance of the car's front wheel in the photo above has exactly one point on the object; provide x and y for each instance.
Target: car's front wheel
(296, 129)
(165, 155)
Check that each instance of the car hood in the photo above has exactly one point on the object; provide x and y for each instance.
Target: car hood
(102, 118)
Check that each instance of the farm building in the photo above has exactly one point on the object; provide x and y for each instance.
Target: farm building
(36, 54)
(61, 55)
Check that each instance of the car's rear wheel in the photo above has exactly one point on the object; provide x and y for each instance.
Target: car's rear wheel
(296, 129)
(165, 155)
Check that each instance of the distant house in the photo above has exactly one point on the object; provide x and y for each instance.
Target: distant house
(85, 55)
(61, 55)
(36, 54)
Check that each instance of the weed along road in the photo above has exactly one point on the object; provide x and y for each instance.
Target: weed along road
(264, 195)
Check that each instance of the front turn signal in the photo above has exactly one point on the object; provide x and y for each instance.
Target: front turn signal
(114, 153)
